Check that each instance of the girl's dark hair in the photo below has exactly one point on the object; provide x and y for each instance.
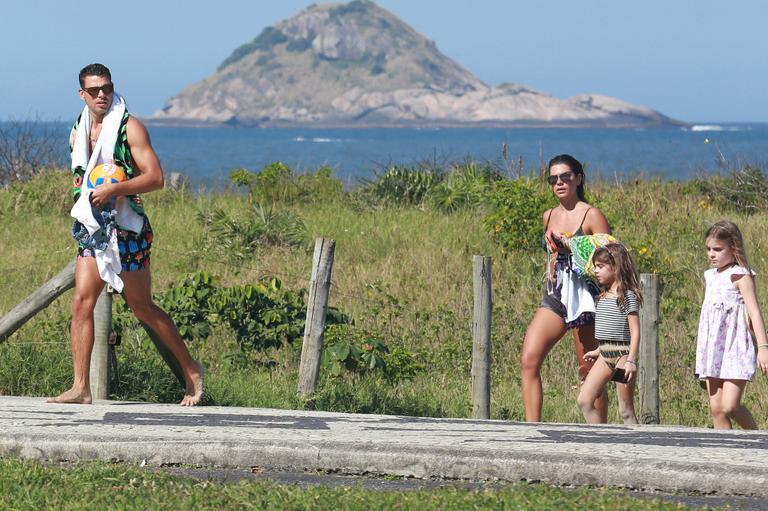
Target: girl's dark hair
(575, 166)
(617, 257)
(729, 232)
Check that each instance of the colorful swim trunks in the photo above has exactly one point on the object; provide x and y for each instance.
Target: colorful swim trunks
(134, 248)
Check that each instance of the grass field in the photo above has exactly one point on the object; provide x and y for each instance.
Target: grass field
(30, 485)
(403, 273)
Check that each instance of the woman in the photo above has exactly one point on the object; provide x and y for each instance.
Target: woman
(562, 311)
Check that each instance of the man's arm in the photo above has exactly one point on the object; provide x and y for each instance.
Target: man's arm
(149, 173)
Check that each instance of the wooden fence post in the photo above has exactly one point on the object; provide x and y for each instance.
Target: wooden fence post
(648, 380)
(481, 337)
(102, 327)
(317, 309)
(37, 301)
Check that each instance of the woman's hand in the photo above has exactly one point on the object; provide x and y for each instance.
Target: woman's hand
(558, 242)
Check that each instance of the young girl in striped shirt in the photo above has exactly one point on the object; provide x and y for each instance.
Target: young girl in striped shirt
(617, 330)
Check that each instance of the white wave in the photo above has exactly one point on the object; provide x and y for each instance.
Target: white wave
(319, 140)
(713, 127)
(706, 127)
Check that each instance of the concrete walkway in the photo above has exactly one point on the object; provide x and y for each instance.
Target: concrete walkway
(649, 457)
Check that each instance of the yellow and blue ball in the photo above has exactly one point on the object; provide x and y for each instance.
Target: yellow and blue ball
(106, 173)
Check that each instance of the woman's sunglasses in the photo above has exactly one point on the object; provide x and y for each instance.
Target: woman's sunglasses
(565, 177)
(107, 89)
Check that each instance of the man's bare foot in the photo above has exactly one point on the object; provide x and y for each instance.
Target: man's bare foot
(72, 396)
(194, 391)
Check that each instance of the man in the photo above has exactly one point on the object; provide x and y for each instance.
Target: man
(105, 131)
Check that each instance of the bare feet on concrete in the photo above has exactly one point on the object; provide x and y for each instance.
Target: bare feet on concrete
(72, 396)
(194, 391)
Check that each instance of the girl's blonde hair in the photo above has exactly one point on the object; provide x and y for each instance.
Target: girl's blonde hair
(729, 232)
(617, 257)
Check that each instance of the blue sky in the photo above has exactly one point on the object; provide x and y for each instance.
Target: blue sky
(699, 60)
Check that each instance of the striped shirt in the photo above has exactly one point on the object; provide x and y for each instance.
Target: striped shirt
(611, 318)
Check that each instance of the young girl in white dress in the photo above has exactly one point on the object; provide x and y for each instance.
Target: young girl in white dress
(731, 340)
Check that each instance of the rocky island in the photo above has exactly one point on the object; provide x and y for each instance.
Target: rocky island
(358, 65)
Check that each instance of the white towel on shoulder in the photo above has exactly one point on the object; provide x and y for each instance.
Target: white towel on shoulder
(108, 261)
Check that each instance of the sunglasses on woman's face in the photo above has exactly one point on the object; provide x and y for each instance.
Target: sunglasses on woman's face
(565, 177)
(107, 89)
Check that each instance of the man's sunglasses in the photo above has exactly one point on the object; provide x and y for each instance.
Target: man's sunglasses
(107, 89)
(565, 177)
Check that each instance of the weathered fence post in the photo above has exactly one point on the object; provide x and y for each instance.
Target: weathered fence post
(648, 380)
(102, 327)
(37, 301)
(481, 337)
(317, 309)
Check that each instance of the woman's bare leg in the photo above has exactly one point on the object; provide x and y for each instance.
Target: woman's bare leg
(543, 332)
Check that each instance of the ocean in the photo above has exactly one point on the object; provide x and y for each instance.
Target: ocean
(207, 155)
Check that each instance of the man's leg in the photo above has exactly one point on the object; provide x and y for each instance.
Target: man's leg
(137, 291)
(88, 286)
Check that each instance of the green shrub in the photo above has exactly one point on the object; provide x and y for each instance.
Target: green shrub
(351, 350)
(348, 349)
(401, 364)
(188, 302)
(517, 206)
(277, 183)
(319, 186)
(265, 227)
(745, 190)
(262, 315)
(403, 186)
(466, 186)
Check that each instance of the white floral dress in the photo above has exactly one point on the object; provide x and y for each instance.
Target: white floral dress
(724, 347)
